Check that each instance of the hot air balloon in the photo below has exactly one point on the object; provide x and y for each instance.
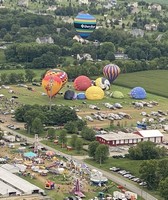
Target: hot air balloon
(52, 84)
(138, 93)
(94, 93)
(111, 71)
(60, 73)
(84, 24)
(69, 95)
(103, 83)
(82, 83)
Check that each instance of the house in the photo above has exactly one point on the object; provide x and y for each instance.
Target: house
(23, 3)
(150, 27)
(83, 2)
(85, 56)
(137, 32)
(45, 40)
(52, 8)
(156, 7)
(121, 138)
(120, 56)
(78, 38)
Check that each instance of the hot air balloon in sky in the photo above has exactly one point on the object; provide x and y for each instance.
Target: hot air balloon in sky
(111, 72)
(60, 73)
(84, 24)
(52, 84)
(82, 83)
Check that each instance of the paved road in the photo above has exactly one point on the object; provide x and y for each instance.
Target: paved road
(109, 175)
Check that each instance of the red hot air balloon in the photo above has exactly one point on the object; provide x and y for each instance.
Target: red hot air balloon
(82, 83)
(111, 72)
(52, 84)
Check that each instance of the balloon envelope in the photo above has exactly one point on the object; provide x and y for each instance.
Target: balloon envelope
(52, 84)
(81, 96)
(138, 93)
(60, 73)
(117, 95)
(82, 83)
(84, 24)
(103, 83)
(69, 95)
(111, 72)
(94, 93)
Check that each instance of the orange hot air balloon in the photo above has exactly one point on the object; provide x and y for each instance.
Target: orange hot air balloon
(52, 84)
(60, 73)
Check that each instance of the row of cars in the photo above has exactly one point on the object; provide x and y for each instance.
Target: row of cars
(128, 175)
(11, 126)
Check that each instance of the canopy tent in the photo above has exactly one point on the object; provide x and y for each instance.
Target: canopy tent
(30, 155)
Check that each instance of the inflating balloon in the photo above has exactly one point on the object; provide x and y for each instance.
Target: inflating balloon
(84, 24)
(94, 93)
(82, 83)
(111, 72)
(52, 84)
(69, 95)
(103, 83)
(60, 73)
(138, 93)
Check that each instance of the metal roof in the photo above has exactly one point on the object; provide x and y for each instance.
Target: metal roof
(6, 189)
(119, 136)
(150, 133)
(17, 182)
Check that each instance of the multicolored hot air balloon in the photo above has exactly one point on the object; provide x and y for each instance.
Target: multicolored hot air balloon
(111, 72)
(84, 24)
(103, 83)
(82, 83)
(60, 73)
(52, 84)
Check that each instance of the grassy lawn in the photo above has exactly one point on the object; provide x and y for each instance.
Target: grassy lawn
(126, 164)
(152, 81)
(64, 150)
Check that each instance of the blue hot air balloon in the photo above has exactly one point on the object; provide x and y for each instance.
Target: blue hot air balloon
(138, 93)
(111, 72)
(84, 24)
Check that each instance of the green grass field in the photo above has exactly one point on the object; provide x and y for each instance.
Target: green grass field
(156, 1)
(154, 81)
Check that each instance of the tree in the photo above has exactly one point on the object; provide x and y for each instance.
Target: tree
(148, 171)
(162, 169)
(71, 127)
(29, 75)
(78, 144)
(73, 140)
(63, 137)
(146, 150)
(105, 48)
(102, 153)
(37, 126)
(51, 133)
(80, 124)
(92, 149)
(88, 133)
(163, 188)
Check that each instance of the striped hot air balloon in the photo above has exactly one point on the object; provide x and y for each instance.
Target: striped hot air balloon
(111, 72)
(84, 24)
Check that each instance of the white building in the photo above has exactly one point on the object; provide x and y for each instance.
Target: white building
(45, 40)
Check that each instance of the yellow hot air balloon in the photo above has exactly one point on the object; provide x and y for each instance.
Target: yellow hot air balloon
(94, 93)
(103, 83)
(52, 84)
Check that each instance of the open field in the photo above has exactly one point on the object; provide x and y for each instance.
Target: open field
(154, 81)
(156, 1)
